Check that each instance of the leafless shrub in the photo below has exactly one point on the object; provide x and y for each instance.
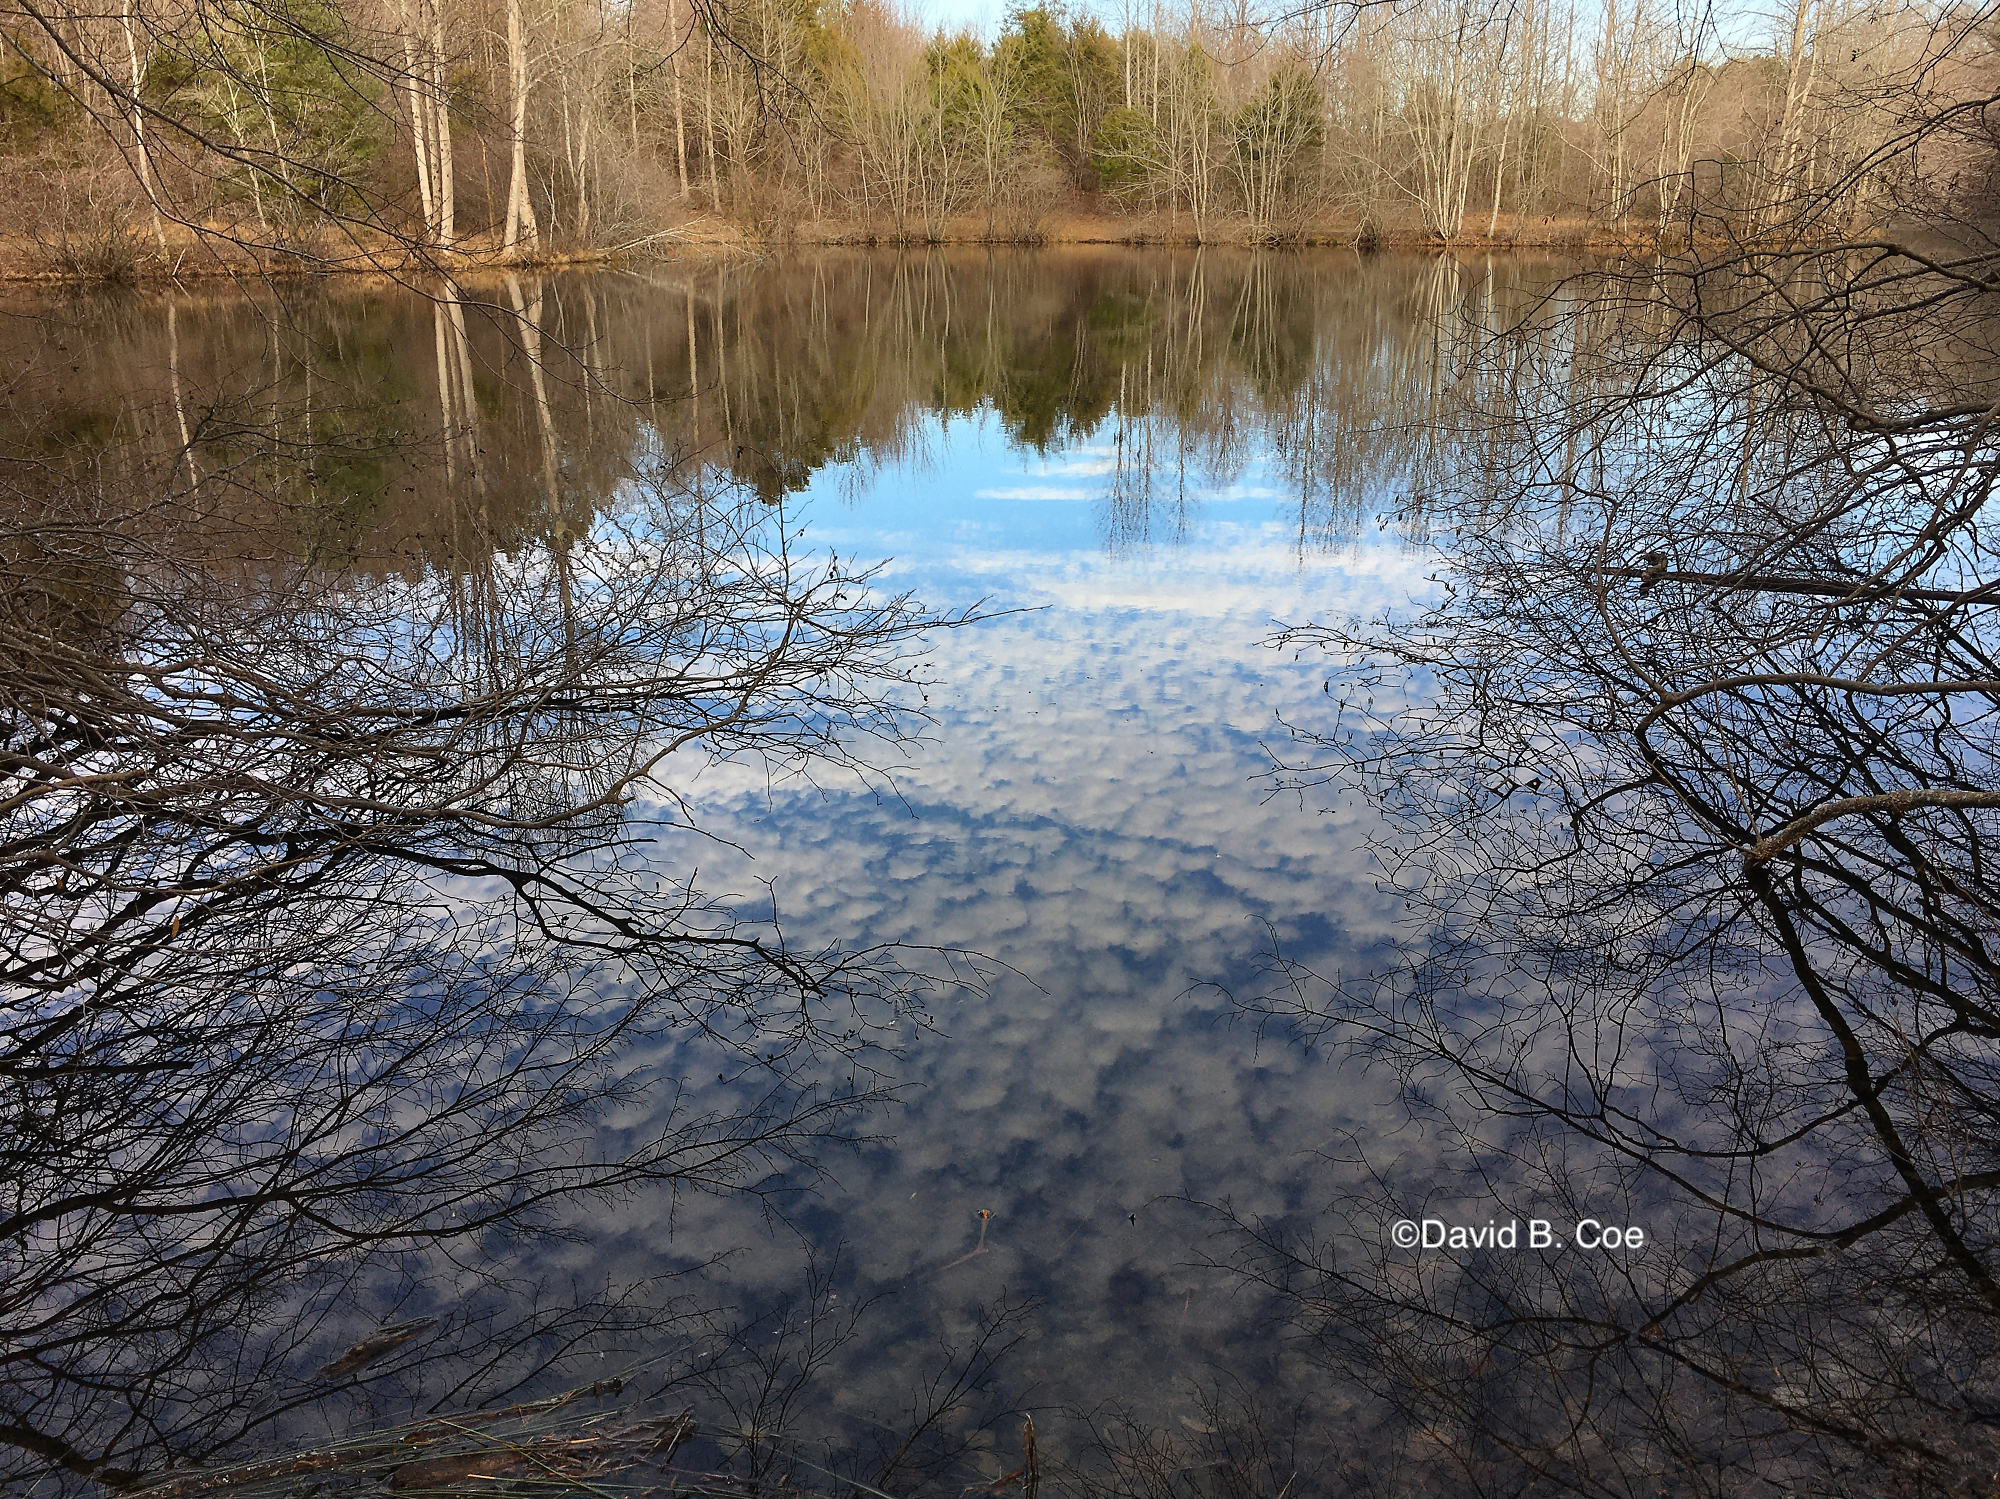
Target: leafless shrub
(86, 226)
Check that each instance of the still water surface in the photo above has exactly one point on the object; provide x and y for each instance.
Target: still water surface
(1133, 468)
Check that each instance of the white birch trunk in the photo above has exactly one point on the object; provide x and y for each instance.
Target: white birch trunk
(520, 227)
(138, 116)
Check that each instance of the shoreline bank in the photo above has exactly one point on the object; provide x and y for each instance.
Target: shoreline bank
(136, 261)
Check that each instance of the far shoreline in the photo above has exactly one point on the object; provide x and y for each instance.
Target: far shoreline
(214, 253)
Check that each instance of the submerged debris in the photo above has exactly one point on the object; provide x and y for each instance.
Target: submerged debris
(365, 1352)
(589, 1454)
(523, 1444)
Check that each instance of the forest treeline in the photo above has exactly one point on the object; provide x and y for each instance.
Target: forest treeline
(333, 130)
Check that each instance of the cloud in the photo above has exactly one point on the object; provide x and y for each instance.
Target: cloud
(1042, 492)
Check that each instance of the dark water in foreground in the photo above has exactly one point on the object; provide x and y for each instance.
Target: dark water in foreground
(1136, 467)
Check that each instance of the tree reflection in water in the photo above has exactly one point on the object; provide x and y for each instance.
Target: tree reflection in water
(389, 426)
(331, 679)
(1690, 781)
(338, 631)
(329, 958)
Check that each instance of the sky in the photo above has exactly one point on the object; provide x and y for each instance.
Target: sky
(1740, 26)
(983, 16)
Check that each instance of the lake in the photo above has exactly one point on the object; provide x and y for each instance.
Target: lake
(1123, 472)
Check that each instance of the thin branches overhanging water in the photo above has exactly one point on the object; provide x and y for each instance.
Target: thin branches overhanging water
(327, 950)
(1689, 770)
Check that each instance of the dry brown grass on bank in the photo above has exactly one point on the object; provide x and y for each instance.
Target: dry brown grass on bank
(1082, 227)
(130, 254)
(133, 257)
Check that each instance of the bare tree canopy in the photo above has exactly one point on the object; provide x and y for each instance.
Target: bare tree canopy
(168, 136)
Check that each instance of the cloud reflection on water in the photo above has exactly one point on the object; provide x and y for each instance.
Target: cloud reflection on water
(1221, 429)
(1090, 812)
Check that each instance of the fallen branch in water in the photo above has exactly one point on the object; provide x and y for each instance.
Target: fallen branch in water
(390, 1449)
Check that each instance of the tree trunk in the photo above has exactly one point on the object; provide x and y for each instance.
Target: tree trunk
(680, 110)
(441, 129)
(708, 112)
(420, 136)
(138, 116)
(521, 227)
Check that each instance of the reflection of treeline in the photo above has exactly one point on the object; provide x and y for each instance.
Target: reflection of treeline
(475, 420)
(409, 421)
(318, 127)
